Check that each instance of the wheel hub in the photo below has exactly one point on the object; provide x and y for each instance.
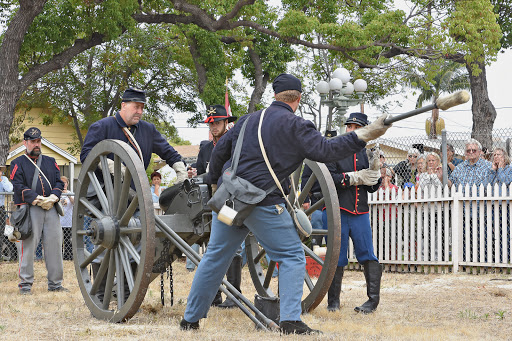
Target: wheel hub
(105, 232)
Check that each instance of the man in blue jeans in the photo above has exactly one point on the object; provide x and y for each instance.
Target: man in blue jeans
(288, 140)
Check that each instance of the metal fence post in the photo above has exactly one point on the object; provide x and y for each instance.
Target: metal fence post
(444, 156)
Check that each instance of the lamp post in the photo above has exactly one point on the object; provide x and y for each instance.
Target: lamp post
(339, 94)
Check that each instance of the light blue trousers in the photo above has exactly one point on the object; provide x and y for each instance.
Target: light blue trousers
(277, 234)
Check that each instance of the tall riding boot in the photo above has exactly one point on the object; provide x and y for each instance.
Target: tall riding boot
(372, 273)
(234, 276)
(333, 295)
(101, 288)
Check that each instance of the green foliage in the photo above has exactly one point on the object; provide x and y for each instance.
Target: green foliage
(62, 22)
(503, 8)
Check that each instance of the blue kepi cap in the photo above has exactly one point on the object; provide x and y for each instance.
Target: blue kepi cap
(134, 95)
(285, 81)
(32, 134)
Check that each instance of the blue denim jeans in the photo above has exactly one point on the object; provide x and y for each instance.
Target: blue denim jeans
(277, 234)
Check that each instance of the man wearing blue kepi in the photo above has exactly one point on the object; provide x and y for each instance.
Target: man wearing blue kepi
(354, 179)
(142, 136)
(37, 183)
(288, 140)
(127, 125)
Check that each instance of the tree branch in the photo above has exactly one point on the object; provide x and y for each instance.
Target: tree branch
(60, 60)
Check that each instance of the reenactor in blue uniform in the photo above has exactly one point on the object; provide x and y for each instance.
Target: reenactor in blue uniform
(217, 119)
(354, 179)
(45, 219)
(288, 140)
(146, 136)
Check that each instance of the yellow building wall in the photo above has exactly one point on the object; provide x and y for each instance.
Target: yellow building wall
(60, 134)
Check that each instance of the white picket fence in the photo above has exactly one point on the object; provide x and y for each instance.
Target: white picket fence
(441, 229)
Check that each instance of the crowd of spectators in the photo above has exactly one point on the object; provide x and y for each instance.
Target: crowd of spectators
(425, 170)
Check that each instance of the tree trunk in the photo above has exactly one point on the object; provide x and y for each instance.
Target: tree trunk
(433, 124)
(260, 81)
(484, 113)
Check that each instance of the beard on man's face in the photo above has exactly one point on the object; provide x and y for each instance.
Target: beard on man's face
(35, 152)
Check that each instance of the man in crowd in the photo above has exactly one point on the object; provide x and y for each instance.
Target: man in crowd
(473, 171)
(354, 178)
(41, 192)
(127, 126)
(406, 170)
(288, 140)
(217, 119)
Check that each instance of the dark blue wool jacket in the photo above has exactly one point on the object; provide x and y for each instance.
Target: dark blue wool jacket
(149, 139)
(288, 140)
(22, 173)
(353, 199)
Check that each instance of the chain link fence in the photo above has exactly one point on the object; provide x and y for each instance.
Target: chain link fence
(485, 226)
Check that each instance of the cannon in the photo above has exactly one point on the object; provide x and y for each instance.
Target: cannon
(132, 245)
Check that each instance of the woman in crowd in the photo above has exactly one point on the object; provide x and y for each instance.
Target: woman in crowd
(433, 176)
(500, 171)
(421, 167)
(67, 202)
(156, 189)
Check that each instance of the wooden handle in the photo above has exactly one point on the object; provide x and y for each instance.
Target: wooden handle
(452, 100)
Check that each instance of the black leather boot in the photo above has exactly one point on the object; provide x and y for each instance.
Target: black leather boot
(234, 276)
(217, 300)
(333, 295)
(372, 273)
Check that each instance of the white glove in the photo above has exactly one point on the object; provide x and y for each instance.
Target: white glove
(366, 177)
(37, 200)
(48, 202)
(373, 130)
(181, 171)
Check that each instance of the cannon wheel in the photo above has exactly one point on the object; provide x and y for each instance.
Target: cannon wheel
(124, 246)
(317, 287)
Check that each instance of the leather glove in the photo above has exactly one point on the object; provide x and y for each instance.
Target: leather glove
(181, 171)
(366, 177)
(37, 200)
(373, 130)
(48, 202)
(374, 158)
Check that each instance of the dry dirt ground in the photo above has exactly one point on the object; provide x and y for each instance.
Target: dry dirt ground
(413, 307)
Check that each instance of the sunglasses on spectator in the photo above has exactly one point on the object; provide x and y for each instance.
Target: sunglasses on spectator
(414, 156)
(469, 151)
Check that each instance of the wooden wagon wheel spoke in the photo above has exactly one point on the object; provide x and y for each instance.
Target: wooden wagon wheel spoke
(109, 284)
(130, 249)
(117, 182)
(120, 279)
(92, 257)
(125, 260)
(316, 206)
(96, 212)
(123, 195)
(102, 271)
(129, 212)
(99, 192)
(309, 282)
(328, 199)
(122, 231)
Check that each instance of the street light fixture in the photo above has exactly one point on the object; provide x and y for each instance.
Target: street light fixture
(339, 94)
